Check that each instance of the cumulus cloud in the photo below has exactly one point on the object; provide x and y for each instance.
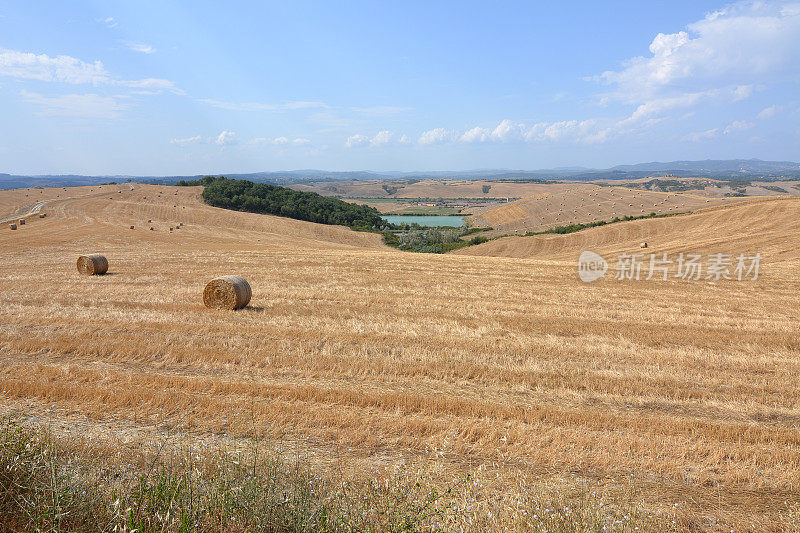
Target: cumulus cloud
(280, 141)
(356, 140)
(742, 42)
(75, 105)
(110, 22)
(225, 138)
(436, 136)
(581, 131)
(41, 67)
(381, 138)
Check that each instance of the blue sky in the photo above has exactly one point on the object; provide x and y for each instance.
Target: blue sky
(201, 87)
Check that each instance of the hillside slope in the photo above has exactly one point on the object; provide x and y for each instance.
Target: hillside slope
(362, 358)
(84, 212)
(769, 226)
(590, 203)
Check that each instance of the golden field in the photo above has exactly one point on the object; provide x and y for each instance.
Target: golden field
(681, 397)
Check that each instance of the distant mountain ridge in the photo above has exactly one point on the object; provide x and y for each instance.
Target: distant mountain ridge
(712, 168)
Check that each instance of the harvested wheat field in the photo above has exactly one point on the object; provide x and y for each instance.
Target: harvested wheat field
(587, 203)
(680, 398)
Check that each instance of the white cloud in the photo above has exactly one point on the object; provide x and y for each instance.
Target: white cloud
(770, 111)
(701, 135)
(356, 140)
(254, 106)
(737, 125)
(110, 22)
(153, 84)
(197, 139)
(436, 136)
(742, 92)
(381, 138)
(225, 138)
(67, 69)
(75, 105)
(581, 131)
(733, 127)
(659, 106)
(140, 47)
(740, 43)
(280, 141)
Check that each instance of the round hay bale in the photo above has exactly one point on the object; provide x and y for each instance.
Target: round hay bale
(92, 264)
(149, 221)
(151, 228)
(643, 245)
(227, 292)
(42, 215)
(22, 222)
(12, 226)
(132, 227)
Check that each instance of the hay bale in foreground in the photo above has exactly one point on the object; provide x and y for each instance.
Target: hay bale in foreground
(227, 292)
(92, 264)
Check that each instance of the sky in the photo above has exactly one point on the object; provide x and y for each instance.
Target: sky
(181, 88)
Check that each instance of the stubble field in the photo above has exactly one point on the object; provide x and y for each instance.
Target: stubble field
(679, 396)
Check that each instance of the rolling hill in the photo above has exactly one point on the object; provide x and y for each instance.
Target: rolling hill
(675, 398)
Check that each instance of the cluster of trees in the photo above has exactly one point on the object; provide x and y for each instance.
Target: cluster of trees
(243, 195)
(433, 240)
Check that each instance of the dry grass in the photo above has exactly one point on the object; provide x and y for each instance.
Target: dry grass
(587, 203)
(659, 393)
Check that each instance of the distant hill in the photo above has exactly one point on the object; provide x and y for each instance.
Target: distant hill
(725, 169)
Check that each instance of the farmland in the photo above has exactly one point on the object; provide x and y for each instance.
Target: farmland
(677, 398)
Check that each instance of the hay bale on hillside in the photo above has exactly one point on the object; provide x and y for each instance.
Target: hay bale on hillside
(132, 227)
(227, 292)
(42, 215)
(12, 226)
(22, 222)
(92, 264)
(643, 245)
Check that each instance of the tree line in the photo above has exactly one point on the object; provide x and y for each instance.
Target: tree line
(243, 195)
